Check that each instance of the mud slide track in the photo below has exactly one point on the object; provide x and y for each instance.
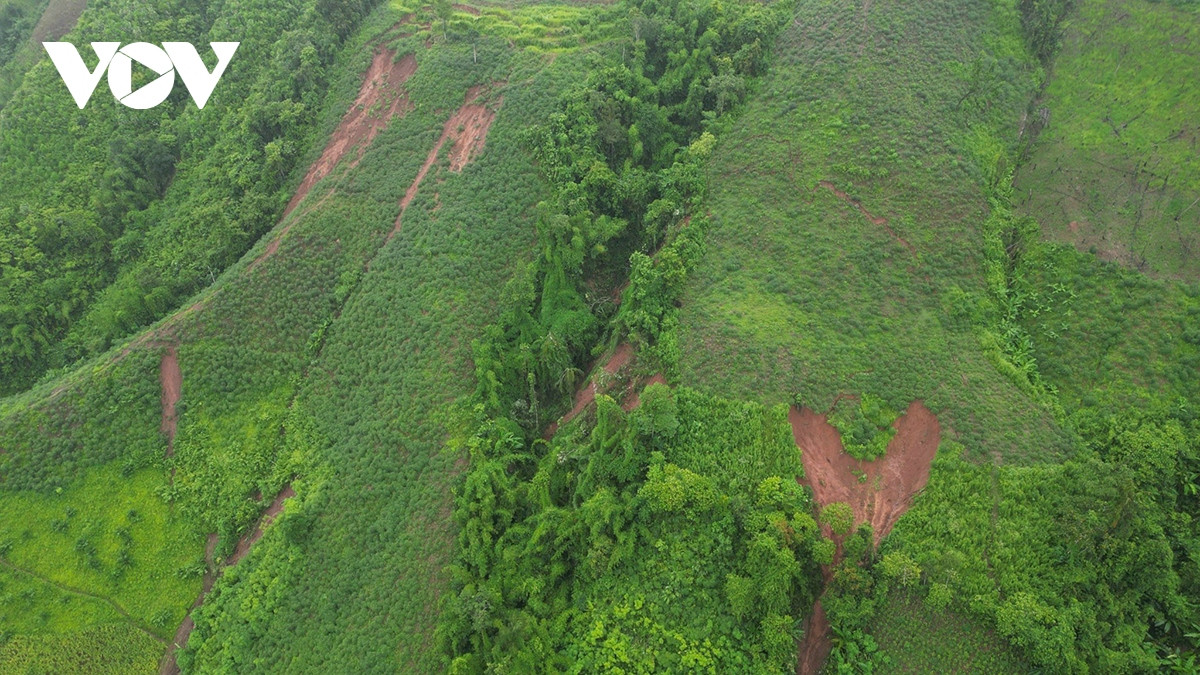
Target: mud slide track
(875, 220)
(381, 97)
(891, 483)
(587, 395)
(167, 665)
(466, 131)
(172, 386)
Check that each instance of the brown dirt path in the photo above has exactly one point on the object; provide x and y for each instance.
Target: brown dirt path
(634, 399)
(172, 386)
(466, 130)
(817, 642)
(891, 483)
(586, 396)
(268, 517)
(875, 220)
(381, 97)
(167, 665)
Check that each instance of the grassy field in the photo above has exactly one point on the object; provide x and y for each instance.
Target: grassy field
(245, 346)
(862, 243)
(916, 639)
(1115, 170)
(109, 650)
(802, 296)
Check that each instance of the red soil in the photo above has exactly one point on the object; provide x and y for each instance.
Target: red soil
(892, 480)
(268, 517)
(167, 665)
(172, 386)
(875, 220)
(587, 395)
(466, 130)
(473, 11)
(635, 399)
(891, 483)
(475, 121)
(380, 98)
(817, 642)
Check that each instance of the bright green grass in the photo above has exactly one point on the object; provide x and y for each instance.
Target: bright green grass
(1117, 171)
(47, 629)
(800, 296)
(916, 639)
(29, 604)
(112, 649)
(1113, 336)
(74, 540)
(549, 27)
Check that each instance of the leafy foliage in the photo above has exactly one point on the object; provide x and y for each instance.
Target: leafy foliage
(109, 217)
(646, 544)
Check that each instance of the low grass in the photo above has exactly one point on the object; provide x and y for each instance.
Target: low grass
(105, 650)
(1115, 172)
(914, 638)
(90, 540)
(801, 296)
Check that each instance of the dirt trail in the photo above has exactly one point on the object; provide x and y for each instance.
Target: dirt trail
(634, 399)
(473, 11)
(167, 665)
(891, 483)
(875, 220)
(380, 98)
(817, 642)
(587, 395)
(172, 385)
(466, 130)
(268, 517)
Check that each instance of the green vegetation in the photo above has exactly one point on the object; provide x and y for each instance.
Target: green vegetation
(1111, 144)
(919, 636)
(111, 216)
(800, 203)
(369, 456)
(802, 297)
(17, 19)
(865, 425)
(924, 283)
(106, 650)
(639, 545)
(642, 545)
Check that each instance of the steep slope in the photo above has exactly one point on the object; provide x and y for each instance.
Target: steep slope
(381, 396)
(863, 244)
(846, 253)
(1112, 144)
(109, 216)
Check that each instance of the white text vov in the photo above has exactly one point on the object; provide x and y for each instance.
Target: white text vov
(171, 58)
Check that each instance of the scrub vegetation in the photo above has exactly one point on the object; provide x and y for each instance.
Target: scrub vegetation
(651, 336)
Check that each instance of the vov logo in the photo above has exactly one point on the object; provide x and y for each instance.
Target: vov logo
(171, 58)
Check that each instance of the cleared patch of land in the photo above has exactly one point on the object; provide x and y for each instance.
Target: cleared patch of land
(1114, 167)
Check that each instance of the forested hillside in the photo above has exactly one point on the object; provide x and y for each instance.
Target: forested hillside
(649, 336)
(111, 216)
